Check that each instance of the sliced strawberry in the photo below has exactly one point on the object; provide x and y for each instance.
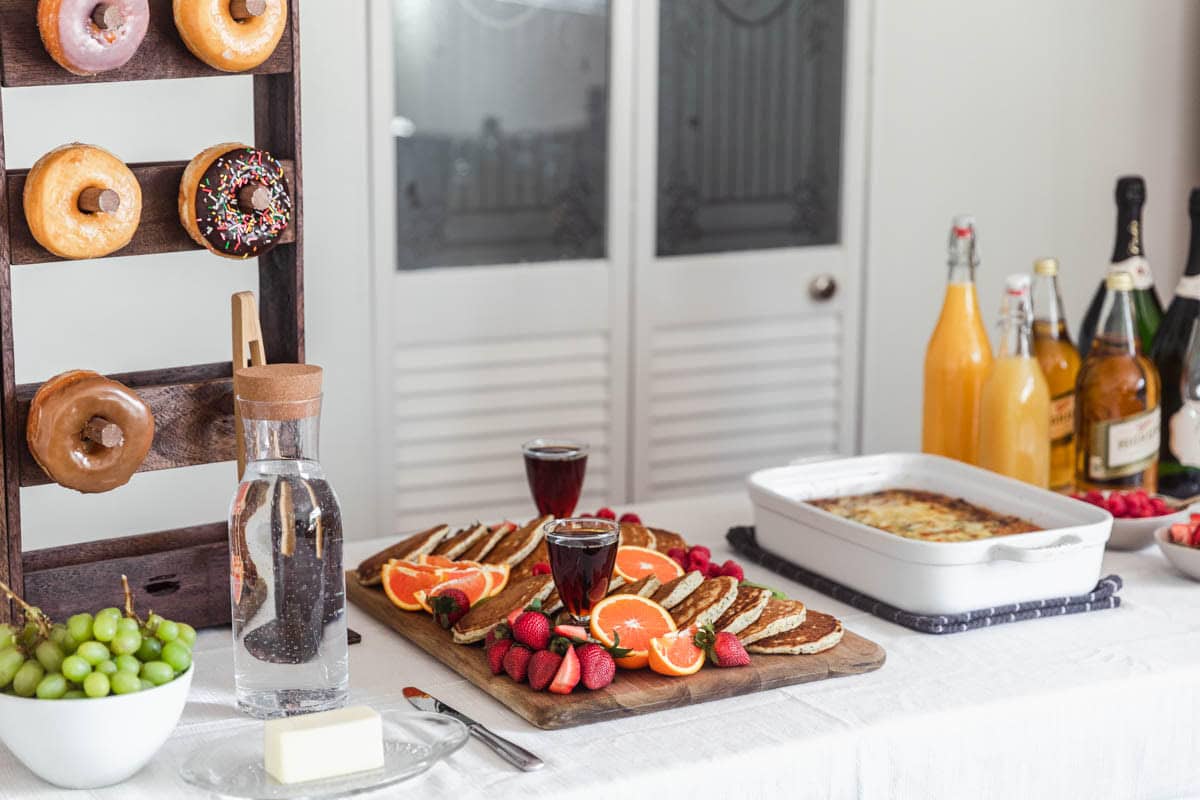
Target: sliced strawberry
(567, 677)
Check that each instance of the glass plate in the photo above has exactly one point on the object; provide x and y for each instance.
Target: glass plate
(413, 741)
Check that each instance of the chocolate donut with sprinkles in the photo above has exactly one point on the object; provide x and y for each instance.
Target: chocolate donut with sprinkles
(234, 200)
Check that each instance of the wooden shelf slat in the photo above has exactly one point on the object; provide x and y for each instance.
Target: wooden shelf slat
(162, 55)
(193, 417)
(159, 230)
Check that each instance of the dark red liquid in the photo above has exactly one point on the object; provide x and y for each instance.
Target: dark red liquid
(581, 573)
(555, 479)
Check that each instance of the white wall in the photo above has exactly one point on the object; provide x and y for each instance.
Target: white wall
(173, 310)
(1022, 113)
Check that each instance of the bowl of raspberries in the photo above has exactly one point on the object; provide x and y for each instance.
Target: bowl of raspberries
(1136, 515)
(1180, 543)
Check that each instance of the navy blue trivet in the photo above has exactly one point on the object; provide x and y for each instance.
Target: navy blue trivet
(1103, 596)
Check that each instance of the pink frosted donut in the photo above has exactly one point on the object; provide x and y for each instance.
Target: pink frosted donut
(91, 36)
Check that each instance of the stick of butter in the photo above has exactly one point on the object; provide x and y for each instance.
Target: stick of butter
(323, 745)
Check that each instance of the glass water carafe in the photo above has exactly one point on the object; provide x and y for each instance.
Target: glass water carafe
(285, 530)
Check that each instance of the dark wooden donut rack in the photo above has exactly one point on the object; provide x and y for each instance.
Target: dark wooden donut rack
(182, 573)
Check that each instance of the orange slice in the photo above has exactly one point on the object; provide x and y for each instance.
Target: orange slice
(473, 583)
(402, 585)
(635, 563)
(436, 561)
(634, 621)
(676, 654)
(498, 575)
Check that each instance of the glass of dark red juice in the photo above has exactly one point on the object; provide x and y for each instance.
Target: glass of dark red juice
(582, 552)
(555, 470)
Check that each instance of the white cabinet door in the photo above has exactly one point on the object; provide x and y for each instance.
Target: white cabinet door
(751, 119)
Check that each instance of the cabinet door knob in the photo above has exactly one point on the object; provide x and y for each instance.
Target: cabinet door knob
(822, 287)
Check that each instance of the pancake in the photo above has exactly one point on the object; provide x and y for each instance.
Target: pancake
(487, 542)
(673, 592)
(646, 587)
(540, 555)
(818, 633)
(485, 616)
(667, 540)
(746, 608)
(454, 546)
(370, 571)
(636, 536)
(779, 616)
(707, 603)
(513, 548)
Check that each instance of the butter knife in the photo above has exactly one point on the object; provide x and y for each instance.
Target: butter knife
(512, 753)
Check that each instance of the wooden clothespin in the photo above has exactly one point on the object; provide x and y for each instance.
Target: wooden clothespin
(247, 352)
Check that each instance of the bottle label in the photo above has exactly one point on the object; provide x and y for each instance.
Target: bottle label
(1189, 286)
(1184, 435)
(1124, 447)
(1062, 418)
(1138, 267)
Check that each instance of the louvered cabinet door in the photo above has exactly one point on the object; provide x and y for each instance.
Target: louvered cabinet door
(747, 299)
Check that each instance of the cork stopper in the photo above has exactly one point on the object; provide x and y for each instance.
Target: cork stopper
(1047, 267)
(279, 391)
(1119, 281)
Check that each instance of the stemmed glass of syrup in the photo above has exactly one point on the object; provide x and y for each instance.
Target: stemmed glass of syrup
(582, 552)
(555, 470)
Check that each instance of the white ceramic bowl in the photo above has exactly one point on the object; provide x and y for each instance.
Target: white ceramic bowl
(1134, 533)
(92, 742)
(1184, 559)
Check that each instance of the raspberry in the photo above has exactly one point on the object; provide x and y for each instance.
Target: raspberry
(712, 570)
(540, 568)
(1118, 506)
(678, 555)
(631, 518)
(606, 513)
(701, 551)
(733, 570)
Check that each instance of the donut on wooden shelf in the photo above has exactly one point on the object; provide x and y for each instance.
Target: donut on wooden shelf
(88, 432)
(82, 202)
(231, 35)
(234, 200)
(88, 37)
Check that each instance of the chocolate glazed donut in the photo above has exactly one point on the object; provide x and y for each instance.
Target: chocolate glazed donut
(234, 200)
(88, 432)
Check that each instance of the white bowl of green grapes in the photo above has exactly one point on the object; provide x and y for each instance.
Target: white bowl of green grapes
(87, 703)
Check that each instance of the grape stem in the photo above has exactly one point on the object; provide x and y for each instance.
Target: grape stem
(34, 615)
(129, 601)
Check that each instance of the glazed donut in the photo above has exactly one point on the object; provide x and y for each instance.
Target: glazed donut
(231, 35)
(88, 432)
(82, 202)
(234, 200)
(91, 36)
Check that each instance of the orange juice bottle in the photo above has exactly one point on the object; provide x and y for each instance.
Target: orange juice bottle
(1060, 364)
(1014, 409)
(958, 357)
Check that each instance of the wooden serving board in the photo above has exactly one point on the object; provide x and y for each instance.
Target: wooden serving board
(634, 691)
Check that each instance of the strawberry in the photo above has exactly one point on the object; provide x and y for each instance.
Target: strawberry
(596, 666)
(532, 629)
(567, 676)
(497, 633)
(543, 666)
(516, 662)
(1181, 533)
(723, 649)
(631, 518)
(606, 513)
(512, 616)
(495, 654)
(450, 606)
(733, 570)
(678, 554)
(540, 568)
(575, 632)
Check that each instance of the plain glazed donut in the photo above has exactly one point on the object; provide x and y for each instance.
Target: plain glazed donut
(231, 35)
(72, 178)
(233, 200)
(87, 37)
(88, 432)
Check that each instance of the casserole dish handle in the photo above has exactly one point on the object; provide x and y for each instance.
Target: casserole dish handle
(1063, 547)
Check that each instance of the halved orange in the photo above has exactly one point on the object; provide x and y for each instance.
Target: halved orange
(402, 584)
(473, 583)
(498, 575)
(635, 563)
(630, 621)
(676, 653)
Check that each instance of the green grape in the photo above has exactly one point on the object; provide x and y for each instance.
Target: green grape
(128, 624)
(74, 694)
(10, 661)
(76, 668)
(69, 643)
(177, 655)
(8, 635)
(187, 634)
(124, 683)
(26, 681)
(167, 631)
(59, 635)
(104, 626)
(146, 684)
(28, 637)
(157, 672)
(107, 666)
(97, 685)
(80, 627)
(50, 656)
(150, 650)
(126, 642)
(128, 664)
(152, 622)
(52, 686)
(93, 652)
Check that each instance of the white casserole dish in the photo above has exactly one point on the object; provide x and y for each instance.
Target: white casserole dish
(930, 577)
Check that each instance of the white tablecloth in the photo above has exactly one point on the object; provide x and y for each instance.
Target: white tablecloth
(1100, 705)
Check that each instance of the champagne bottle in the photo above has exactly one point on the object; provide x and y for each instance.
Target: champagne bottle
(1129, 255)
(1117, 421)
(1060, 364)
(1179, 454)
